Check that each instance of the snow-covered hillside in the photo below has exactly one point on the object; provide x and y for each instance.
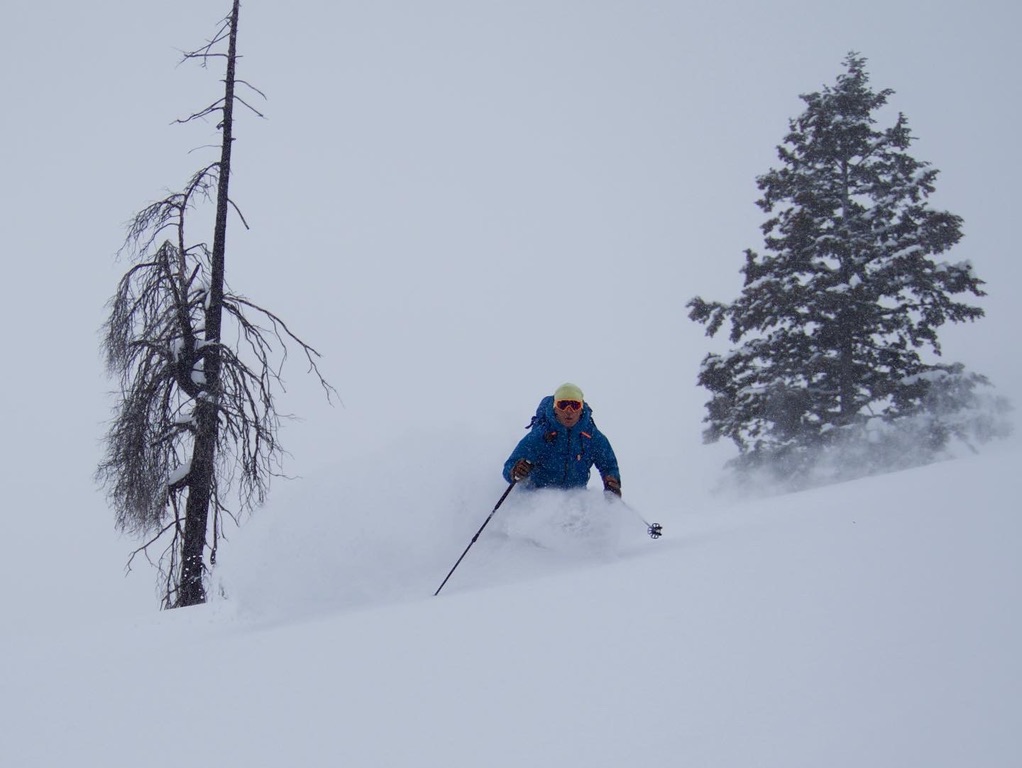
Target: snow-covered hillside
(462, 205)
(874, 623)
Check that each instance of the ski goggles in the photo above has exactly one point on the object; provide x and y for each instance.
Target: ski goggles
(568, 405)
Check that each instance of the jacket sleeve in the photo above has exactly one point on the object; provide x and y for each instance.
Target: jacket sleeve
(604, 458)
(528, 448)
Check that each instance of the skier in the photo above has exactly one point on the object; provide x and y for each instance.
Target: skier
(562, 445)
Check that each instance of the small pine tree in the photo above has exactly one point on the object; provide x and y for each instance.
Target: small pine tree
(833, 316)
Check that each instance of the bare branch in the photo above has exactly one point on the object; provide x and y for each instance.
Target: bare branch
(214, 108)
(250, 107)
(250, 87)
(310, 352)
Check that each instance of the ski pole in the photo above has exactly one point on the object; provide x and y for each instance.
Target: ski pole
(485, 522)
(655, 530)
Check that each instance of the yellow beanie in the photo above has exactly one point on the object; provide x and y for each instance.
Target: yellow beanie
(568, 392)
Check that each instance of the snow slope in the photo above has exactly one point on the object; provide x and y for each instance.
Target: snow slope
(423, 167)
(874, 623)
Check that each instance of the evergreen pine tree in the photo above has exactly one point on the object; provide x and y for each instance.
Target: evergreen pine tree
(834, 315)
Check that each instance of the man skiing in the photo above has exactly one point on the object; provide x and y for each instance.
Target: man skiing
(562, 445)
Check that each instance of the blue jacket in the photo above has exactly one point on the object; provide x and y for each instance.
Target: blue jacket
(562, 457)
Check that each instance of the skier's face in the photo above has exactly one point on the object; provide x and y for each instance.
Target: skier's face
(569, 415)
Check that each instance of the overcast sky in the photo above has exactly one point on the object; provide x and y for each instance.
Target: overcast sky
(460, 204)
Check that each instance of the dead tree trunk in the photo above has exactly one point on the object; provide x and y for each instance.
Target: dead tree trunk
(201, 481)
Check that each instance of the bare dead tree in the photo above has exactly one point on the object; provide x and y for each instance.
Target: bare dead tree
(196, 422)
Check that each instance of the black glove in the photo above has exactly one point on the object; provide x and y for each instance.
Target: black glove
(612, 485)
(520, 470)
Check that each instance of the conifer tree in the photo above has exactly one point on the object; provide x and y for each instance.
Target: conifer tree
(836, 313)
